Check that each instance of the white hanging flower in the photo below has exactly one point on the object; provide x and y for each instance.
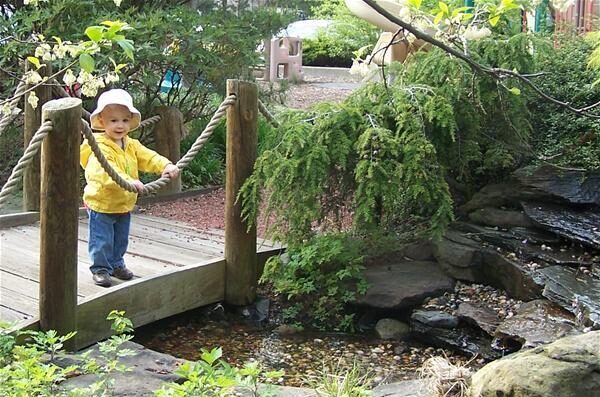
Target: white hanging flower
(42, 50)
(6, 110)
(32, 99)
(475, 33)
(111, 77)
(32, 77)
(89, 83)
(69, 78)
(61, 49)
(354, 69)
(118, 2)
(199, 28)
(362, 68)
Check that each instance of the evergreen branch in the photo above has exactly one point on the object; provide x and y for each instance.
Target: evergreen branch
(496, 73)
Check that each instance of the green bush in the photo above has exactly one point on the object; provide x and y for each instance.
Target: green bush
(560, 136)
(336, 45)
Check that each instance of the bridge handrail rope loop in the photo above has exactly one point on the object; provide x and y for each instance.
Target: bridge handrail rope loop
(265, 112)
(12, 105)
(181, 164)
(36, 142)
(32, 149)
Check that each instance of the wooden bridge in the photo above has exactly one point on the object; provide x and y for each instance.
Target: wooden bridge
(177, 267)
(45, 282)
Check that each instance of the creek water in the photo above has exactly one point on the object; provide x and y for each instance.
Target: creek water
(304, 356)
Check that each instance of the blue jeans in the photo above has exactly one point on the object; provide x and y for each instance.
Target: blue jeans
(107, 240)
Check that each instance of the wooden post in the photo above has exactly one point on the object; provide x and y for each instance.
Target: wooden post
(32, 121)
(167, 136)
(59, 217)
(240, 244)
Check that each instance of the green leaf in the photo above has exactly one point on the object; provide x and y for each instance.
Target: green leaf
(515, 91)
(494, 20)
(438, 18)
(444, 7)
(35, 62)
(127, 46)
(94, 33)
(86, 62)
(415, 3)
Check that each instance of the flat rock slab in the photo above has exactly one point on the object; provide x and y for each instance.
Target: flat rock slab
(577, 293)
(538, 322)
(578, 187)
(403, 285)
(579, 225)
(149, 371)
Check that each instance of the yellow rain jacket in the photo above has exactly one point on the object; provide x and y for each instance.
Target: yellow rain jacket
(101, 193)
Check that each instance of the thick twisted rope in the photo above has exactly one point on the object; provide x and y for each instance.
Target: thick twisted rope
(12, 105)
(265, 112)
(25, 160)
(149, 121)
(181, 164)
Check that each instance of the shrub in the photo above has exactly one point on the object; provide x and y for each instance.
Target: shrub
(560, 136)
(336, 46)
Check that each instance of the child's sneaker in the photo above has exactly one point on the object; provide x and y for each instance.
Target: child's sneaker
(122, 273)
(102, 278)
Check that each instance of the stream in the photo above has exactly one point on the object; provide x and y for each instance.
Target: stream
(303, 356)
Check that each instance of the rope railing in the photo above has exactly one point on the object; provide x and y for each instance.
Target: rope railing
(265, 112)
(150, 121)
(12, 106)
(34, 145)
(32, 149)
(181, 164)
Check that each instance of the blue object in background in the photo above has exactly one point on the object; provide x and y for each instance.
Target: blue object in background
(171, 80)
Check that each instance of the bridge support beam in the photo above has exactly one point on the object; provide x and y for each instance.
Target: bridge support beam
(59, 216)
(240, 243)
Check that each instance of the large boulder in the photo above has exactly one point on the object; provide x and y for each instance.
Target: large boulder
(569, 367)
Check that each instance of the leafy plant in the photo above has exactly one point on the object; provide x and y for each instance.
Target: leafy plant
(561, 137)
(319, 278)
(212, 376)
(30, 369)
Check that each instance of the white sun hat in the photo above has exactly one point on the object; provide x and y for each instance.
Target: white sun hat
(116, 96)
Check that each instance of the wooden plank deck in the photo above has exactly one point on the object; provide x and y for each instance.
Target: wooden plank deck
(177, 267)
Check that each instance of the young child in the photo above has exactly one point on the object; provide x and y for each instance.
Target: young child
(109, 205)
